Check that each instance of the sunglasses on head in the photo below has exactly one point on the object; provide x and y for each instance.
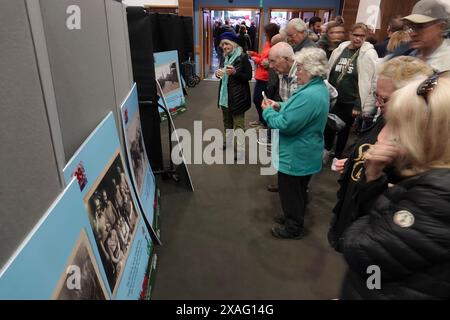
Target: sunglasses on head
(428, 85)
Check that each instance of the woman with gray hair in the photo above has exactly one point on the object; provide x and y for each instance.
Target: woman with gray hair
(300, 122)
(234, 89)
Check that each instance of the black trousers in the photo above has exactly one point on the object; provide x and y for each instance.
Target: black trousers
(343, 111)
(292, 191)
(260, 86)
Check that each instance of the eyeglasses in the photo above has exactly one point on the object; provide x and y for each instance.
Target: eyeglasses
(428, 86)
(355, 35)
(381, 100)
(418, 27)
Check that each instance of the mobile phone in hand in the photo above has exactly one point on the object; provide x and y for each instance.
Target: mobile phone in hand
(264, 96)
(333, 164)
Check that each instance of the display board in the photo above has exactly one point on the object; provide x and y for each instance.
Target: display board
(167, 73)
(177, 148)
(113, 212)
(140, 169)
(59, 258)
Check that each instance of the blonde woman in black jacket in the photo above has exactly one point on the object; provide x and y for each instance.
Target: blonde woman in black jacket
(400, 246)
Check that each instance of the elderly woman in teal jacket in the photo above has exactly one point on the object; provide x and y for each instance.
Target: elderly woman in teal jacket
(301, 122)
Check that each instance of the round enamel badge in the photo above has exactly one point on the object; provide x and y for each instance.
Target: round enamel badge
(403, 219)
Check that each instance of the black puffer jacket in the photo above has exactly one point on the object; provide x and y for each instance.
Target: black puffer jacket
(405, 231)
(239, 96)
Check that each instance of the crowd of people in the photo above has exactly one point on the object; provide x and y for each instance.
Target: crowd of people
(394, 187)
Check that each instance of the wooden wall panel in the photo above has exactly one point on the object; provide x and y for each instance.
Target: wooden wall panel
(186, 8)
(389, 9)
(349, 12)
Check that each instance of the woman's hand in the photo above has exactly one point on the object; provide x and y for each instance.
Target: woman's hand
(380, 155)
(230, 70)
(340, 165)
(219, 73)
(267, 103)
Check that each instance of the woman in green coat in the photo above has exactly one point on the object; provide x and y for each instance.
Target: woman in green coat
(300, 122)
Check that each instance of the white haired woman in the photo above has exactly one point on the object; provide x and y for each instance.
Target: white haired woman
(405, 230)
(234, 88)
(300, 121)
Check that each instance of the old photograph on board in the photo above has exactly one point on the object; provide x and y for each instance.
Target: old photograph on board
(167, 75)
(81, 280)
(137, 151)
(113, 217)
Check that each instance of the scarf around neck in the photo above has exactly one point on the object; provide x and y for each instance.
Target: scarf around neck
(229, 60)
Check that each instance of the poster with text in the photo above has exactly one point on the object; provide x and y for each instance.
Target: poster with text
(167, 72)
(58, 259)
(121, 236)
(140, 169)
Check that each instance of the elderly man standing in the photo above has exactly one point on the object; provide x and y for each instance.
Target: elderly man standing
(297, 35)
(282, 64)
(427, 24)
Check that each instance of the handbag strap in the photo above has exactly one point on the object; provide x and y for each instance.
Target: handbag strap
(345, 68)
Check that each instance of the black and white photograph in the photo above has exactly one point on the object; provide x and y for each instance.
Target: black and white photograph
(137, 151)
(167, 75)
(113, 217)
(89, 285)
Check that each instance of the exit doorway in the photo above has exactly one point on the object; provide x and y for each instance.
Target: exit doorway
(282, 16)
(209, 61)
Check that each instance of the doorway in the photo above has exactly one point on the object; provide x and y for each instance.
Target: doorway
(235, 16)
(282, 16)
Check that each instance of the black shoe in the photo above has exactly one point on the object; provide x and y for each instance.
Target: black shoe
(279, 219)
(272, 188)
(281, 233)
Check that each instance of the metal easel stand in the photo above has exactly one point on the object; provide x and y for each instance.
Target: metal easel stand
(167, 173)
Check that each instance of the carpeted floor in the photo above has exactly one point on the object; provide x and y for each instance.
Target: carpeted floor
(216, 240)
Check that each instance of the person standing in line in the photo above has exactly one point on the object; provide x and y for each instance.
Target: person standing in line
(297, 35)
(234, 90)
(392, 75)
(427, 25)
(314, 28)
(244, 39)
(352, 68)
(252, 34)
(262, 72)
(396, 24)
(300, 121)
(333, 37)
(403, 232)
